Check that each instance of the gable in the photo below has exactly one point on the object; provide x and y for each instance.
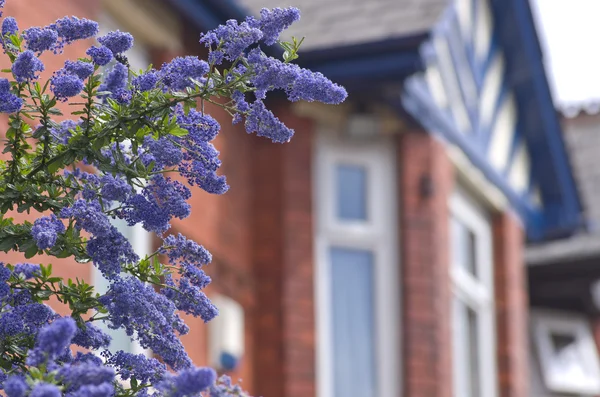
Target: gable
(475, 92)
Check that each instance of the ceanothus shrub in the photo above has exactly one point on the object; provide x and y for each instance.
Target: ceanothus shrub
(115, 156)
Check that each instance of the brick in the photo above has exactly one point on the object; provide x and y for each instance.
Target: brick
(425, 279)
(511, 307)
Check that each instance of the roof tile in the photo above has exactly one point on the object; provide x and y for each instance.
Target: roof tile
(333, 23)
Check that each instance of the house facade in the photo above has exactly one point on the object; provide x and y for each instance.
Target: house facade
(381, 252)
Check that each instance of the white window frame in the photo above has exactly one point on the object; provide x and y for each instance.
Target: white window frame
(378, 234)
(475, 293)
(543, 324)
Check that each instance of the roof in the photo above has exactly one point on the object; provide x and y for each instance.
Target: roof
(336, 23)
(582, 138)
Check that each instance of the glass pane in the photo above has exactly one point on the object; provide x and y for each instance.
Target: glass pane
(466, 351)
(464, 246)
(568, 362)
(473, 347)
(353, 329)
(120, 340)
(351, 192)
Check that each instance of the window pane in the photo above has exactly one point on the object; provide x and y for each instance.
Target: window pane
(473, 351)
(353, 334)
(120, 340)
(568, 362)
(466, 351)
(463, 247)
(351, 192)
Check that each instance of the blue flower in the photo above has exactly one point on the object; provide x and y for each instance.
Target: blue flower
(66, 85)
(52, 341)
(34, 315)
(70, 29)
(11, 324)
(81, 69)
(189, 299)
(102, 390)
(115, 80)
(118, 42)
(153, 318)
(100, 55)
(137, 366)
(108, 248)
(40, 39)
(160, 201)
(223, 387)
(109, 251)
(163, 151)
(313, 86)
(27, 66)
(45, 231)
(9, 26)
(27, 270)
(62, 133)
(233, 37)
(188, 383)
(88, 216)
(176, 74)
(273, 22)
(264, 123)
(213, 183)
(298, 83)
(91, 337)
(202, 127)
(178, 248)
(146, 81)
(15, 386)
(9, 102)
(45, 390)
(114, 188)
(81, 374)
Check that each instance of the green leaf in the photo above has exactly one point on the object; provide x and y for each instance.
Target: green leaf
(31, 252)
(11, 133)
(7, 243)
(179, 131)
(54, 166)
(35, 373)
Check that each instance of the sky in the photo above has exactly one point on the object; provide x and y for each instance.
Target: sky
(569, 32)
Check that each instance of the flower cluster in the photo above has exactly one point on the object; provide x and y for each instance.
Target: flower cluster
(131, 303)
(9, 102)
(27, 67)
(141, 142)
(117, 42)
(108, 248)
(45, 231)
(9, 26)
(40, 39)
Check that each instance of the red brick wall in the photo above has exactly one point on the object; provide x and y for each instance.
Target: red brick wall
(511, 307)
(35, 13)
(284, 333)
(425, 283)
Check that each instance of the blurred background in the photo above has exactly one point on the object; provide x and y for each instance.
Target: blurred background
(436, 235)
